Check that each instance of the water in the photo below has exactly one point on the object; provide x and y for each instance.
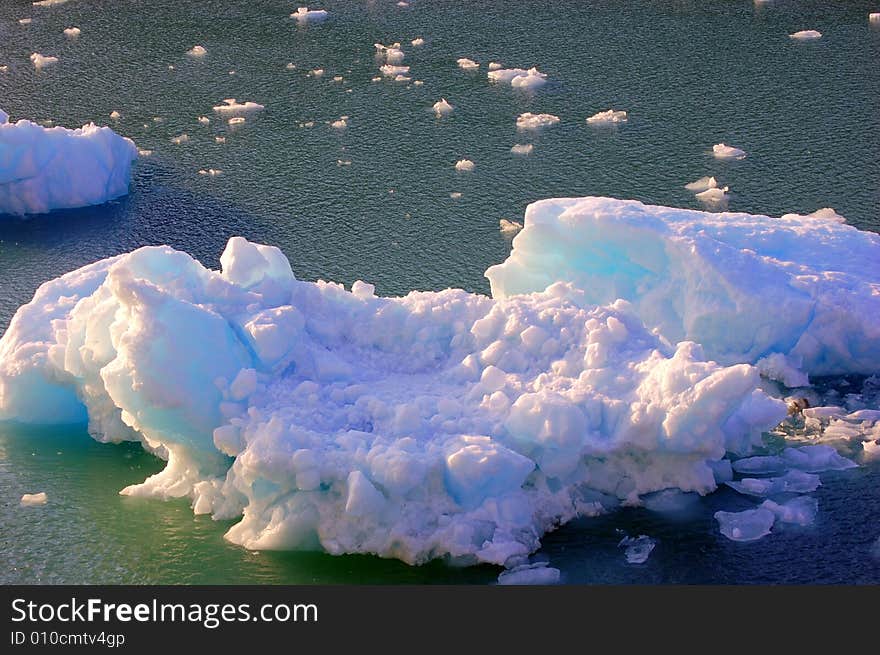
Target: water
(690, 74)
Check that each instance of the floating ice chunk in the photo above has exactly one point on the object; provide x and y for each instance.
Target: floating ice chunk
(231, 107)
(509, 227)
(722, 151)
(317, 72)
(874, 18)
(713, 196)
(389, 70)
(792, 482)
(494, 66)
(815, 459)
(197, 51)
(340, 124)
(34, 499)
(306, 15)
(609, 117)
(72, 32)
(638, 549)
(442, 107)
(530, 574)
(748, 525)
(403, 3)
(180, 139)
(338, 78)
(530, 121)
(43, 169)
(290, 66)
(402, 78)
(518, 78)
(204, 120)
(236, 120)
(703, 184)
(522, 148)
(394, 55)
(827, 214)
(210, 172)
(4, 68)
(48, 3)
(467, 64)
(41, 61)
(455, 195)
(762, 464)
(115, 115)
(743, 286)
(806, 35)
(800, 511)
(418, 41)
(143, 152)
(219, 139)
(464, 165)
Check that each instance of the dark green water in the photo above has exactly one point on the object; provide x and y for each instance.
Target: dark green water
(690, 74)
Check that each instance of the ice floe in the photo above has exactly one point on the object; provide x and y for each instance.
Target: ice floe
(419, 41)
(519, 78)
(609, 117)
(722, 151)
(197, 51)
(442, 107)
(806, 35)
(638, 549)
(306, 15)
(232, 107)
(509, 227)
(530, 574)
(389, 70)
(72, 32)
(467, 64)
(43, 169)
(40, 61)
(748, 525)
(522, 148)
(703, 184)
(180, 139)
(464, 165)
(530, 121)
(34, 499)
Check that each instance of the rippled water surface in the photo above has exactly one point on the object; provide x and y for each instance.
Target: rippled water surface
(690, 74)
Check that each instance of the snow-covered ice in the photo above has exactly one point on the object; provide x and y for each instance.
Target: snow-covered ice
(522, 148)
(722, 151)
(180, 139)
(442, 107)
(439, 424)
(806, 35)
(72, 32)
(609, 117)
(34, 499)
(42, 169)
(509, 227)
(530, 121)
(197, 51)
(874, 17)
(518, 78)
(467, 64)
(464, 165)
(231, 107)
(418, 41)
(388, 70)
(703, 184)
(744, 286)
(712, 196)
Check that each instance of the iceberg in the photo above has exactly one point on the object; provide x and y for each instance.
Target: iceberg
(41, 61)
(744, 286)
(434, 425)
(442, 107)
(42, 169)
(72, 32)
(518, 78)
(464, 165)
(748, 525)
(722, 151)
(231, 107)
(197, 51)
(806, 35)
(703, 184)
(467, 64)
(530, 121)
(306, 15)
(30, 500)
(522, 148)
(389, 70)
(610, 117)
(638, 549)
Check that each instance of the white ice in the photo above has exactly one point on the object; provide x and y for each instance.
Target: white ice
(703, 184)
(466, 63)
(306, 15)
(722, 151)
(518, 78)
(72, 32)
(815, 459)
(34, 499)
(41, 61)
(442, 107)
(530, 121)
(464, 165)
(438, 424)
(231, 107)
(418, 41)
(42, 169)
(522, 148)
(609, 117)
(713, 196)
(509, 227)
(793, 481)
(805, 35)
(799, 511)
(744, 286)
(530, 574)
(748, 525)
(197, 51)
(393, 71)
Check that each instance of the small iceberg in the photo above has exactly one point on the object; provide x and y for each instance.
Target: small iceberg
(530, 121)
(522, 148)
(467, 64)
(518, 78)
(72, 32)
(115, 115)
(494, 66)
(340, 124)
(509, 227)
(748, 525)
(798, 511)
(610, 117)
(40, 61)
(722, 151)
(419, 41)
(530, 574)
(179, 139)
(231, 107)
(806, 35)
(306, 15)
(464, 165)
(389, 70)
(30, 500)
(713, 196)
(816, 459)
(703, 184)
(874, 18)
(442, 107)
(197, 51)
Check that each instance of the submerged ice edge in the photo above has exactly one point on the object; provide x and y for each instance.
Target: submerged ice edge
(439, 424)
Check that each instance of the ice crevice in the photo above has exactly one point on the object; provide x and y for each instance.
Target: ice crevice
(449, 424)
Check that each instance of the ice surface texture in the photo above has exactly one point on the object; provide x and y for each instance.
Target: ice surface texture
(442, 424)
(744, 286)
(42, 169)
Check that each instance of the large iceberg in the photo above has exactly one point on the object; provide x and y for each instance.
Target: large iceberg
(744, 286)
(42, 169)
(442, 424)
